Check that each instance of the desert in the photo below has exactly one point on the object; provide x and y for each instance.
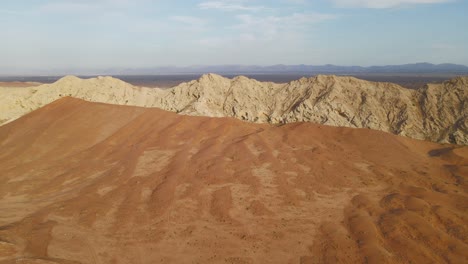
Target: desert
(435, 112)
(234, 131)
(87, 182)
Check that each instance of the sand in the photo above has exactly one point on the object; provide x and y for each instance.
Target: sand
(85, 182)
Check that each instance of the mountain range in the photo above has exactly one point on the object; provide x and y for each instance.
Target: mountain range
(414, 68)
(239, 171)
(435, 112)
(302, 68)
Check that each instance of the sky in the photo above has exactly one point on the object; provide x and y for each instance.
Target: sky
(53, 34)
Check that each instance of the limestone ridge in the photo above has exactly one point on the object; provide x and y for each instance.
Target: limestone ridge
(436, 112)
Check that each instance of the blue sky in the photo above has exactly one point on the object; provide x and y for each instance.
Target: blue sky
(142, 33)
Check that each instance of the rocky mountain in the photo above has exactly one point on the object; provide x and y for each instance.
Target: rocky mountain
(437, 112)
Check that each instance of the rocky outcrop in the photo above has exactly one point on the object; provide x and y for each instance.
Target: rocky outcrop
(444, 110)
(437, 112)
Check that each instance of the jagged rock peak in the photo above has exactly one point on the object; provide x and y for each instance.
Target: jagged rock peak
(212, 77)
(216, 78)
(71, 80)
(461, 80)
(68, 79)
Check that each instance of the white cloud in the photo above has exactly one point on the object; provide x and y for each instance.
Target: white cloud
(270, 26)
(191, 20)
(190, 23)
(229, 5)
(267, 31)
(9, 12)
(443, 46)
(67, 7)
(383, 3)
(86, 6)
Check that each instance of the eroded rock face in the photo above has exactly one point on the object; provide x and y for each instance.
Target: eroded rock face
(437, 112)
(445, 110)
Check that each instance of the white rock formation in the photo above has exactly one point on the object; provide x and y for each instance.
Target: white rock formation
(437, 112)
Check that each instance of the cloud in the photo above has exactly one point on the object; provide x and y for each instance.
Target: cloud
(270, 25)
(67, 7)
(229, 5)
(9, 12)
(191, 20)
(267, 31)
(383, 3)
(86, 6)
(443, 47)
(261, 39)
(191, 23)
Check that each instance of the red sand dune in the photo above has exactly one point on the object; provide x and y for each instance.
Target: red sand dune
(86, 182)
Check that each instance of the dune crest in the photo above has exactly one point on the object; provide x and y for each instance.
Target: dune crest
(436, 112)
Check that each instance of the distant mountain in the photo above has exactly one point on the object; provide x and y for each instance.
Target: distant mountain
(415, 68)
(314, 69)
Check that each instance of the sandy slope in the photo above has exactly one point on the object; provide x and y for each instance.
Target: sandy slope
(87, 182)
(436, 112)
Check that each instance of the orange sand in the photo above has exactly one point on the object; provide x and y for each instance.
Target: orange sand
(87, 182)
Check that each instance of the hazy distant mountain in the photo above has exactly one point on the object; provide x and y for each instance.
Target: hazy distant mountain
(415, 68)
(280, 68)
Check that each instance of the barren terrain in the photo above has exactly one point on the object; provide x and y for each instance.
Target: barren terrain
(84, 182)
(19, 84)
(412, 81)
(436, 112)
